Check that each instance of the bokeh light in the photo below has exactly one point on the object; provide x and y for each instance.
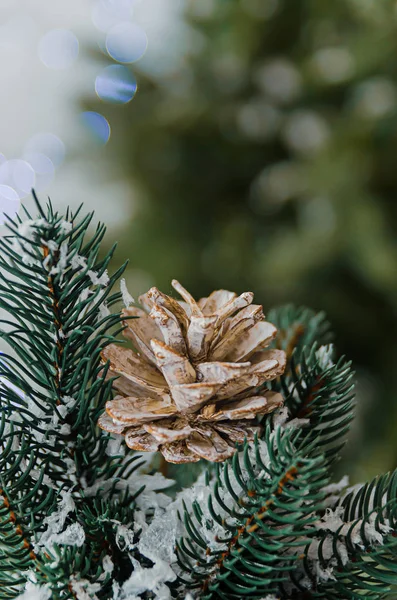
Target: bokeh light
(19, 175)
(275, 185)
(305, 132)
(9, 202)
(317, 216)
(97, 125)
(116, 84)
(126, 42)
(280, 80)
(333, 65)
(258, 120)
(260, 9)
(107, 13)
(58, 49)
(48, 144)
(375, 98)
(43, 168)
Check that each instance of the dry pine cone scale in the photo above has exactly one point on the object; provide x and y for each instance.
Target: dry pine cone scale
(190, 389)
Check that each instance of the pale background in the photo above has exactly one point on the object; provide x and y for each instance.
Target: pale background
(35, 99)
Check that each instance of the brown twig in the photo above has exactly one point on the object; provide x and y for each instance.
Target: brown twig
(18, 528)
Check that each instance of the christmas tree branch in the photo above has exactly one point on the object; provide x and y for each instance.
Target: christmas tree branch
(318, 410)
(354, 554)
(261, 505)
(314, 387)
(57, 294)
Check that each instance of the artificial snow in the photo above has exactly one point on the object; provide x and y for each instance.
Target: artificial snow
(54, 423)
(296, 423)
(151, 579)
(322, 573)
(115, 445)
(332, 521)
(158, 541)
(35, 592)
(281, 416)
(334, 488)
(102, 280)
(70, 469)
(333, 491)
(51, 245)
(55, 522)
(73, 535)
(103, 310)
(60, 413)
(69, 402)
(77, 262)
(324, 356)
(127, 298)
(65, 226)
(84, 295)
(281, 419)
(149, 498)
(125, 536)
(84, 589)
(62, 263)
(29, 228)
(47, 261)
(107, 565)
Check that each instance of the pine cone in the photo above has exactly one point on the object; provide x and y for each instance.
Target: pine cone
(190, 390)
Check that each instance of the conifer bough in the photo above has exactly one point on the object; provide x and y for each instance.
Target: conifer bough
(83, 516)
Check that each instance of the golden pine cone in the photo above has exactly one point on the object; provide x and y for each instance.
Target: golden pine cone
(190, 390)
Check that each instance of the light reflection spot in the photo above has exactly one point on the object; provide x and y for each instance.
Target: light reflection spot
(9, 202)
(97, 125)
(126, 42)
(58, 49)
(19, 175)
(48, 144)
(116, 84)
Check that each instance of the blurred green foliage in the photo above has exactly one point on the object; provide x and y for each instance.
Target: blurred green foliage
(268, 162)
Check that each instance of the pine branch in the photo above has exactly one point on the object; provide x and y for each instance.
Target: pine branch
(16, 555)
(354, 554)
(299, 327)
(314, 387)
(57, 294)
(318, 410)
(323, 393)
(258, 518)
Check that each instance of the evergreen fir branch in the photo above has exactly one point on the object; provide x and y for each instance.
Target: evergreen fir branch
(258, 519)
(15, 554)
(319, 404)
(94, 566)
(354, 554)
(299, 327)
(57, 294)
(322, 393)
(314, 387)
